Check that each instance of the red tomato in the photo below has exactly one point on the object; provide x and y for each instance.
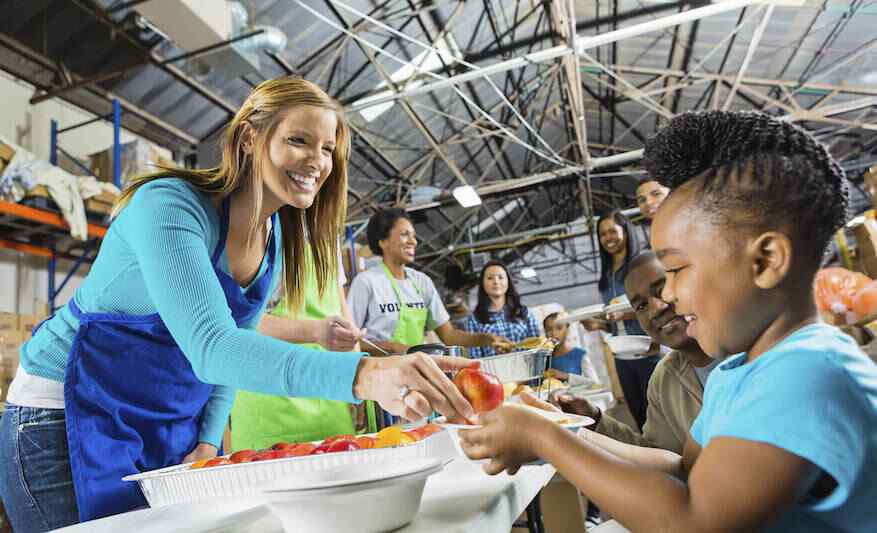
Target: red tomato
(330, 440)
(342, 446)
(322, 448)
(265, 455)
(243, 456)
(305, 448)
(365, 442)
(284, 446)
(217, 461)
(865, 301)
(296, 451)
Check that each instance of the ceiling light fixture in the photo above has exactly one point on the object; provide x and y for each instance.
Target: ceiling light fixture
(467, 196)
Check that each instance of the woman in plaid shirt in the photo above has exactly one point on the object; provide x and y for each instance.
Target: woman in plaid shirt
(499, 310)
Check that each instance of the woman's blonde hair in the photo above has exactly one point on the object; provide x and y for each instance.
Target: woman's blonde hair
(321, 224)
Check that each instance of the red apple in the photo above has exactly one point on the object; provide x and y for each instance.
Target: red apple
(483, 390)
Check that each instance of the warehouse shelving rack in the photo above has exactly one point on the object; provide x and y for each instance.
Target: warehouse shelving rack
(41, 231)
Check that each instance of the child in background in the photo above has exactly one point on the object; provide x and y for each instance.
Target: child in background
(568, 363)
(786, 438)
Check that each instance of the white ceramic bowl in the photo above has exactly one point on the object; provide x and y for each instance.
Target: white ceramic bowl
(629, 346)
(355, 499)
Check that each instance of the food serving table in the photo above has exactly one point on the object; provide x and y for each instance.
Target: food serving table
(460, 498)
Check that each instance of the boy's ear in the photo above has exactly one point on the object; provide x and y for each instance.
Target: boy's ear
(771, 258)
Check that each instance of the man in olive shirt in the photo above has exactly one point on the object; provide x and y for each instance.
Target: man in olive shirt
(675, 392)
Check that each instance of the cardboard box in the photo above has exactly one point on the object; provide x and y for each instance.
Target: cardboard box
(138, 157)
(866, 247)
(6, 155)
(10, 343)
(27, 323)
(8, 323)
(102, 203)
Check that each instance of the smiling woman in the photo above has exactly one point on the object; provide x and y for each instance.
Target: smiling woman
(396, 303)
(139, 370)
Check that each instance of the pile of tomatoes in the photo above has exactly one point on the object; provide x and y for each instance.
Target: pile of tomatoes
(386, 438)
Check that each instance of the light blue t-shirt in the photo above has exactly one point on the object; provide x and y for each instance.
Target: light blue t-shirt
(814, 394)
(156, 258)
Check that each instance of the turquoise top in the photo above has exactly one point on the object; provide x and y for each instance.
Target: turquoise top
(814, 394)
(156, 258)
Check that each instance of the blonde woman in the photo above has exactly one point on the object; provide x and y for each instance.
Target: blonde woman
(139, 370)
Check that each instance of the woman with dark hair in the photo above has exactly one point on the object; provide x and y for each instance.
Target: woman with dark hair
(499, 310)
(396, 303)
(618, 246)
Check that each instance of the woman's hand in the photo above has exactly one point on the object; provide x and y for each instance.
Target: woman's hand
(556, 374)
(499, 343)
(595, 324)
(337, 334)
(202, 451)
(509, 436)
(414, 385)
(619, 316)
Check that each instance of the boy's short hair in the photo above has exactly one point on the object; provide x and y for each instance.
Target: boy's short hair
(645, 179)
(551, 316)
(646, 256)
(755, 171)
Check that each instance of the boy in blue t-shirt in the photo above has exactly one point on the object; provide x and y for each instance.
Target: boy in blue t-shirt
(568, 363)
(787, 437)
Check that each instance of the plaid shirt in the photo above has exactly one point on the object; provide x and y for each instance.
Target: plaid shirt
(515, 331)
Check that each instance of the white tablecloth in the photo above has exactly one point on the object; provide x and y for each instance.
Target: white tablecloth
(460, 498)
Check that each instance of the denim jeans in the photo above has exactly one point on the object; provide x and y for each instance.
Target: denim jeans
(35, 479)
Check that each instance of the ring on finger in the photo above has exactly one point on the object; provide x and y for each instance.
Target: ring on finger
(404, 391)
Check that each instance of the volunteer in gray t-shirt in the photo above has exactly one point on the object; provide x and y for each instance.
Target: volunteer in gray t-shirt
(398, 304)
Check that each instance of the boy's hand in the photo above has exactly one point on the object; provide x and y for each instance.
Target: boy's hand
(556, 374)
(508, 436)
(575, 405)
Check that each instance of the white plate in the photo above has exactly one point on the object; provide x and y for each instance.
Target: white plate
(627, 347)
(571, 421)
(350, 475)
(575, 421)
(581, 313)
(619, 308)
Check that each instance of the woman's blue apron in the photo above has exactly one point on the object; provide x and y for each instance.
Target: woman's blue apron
(132, 401)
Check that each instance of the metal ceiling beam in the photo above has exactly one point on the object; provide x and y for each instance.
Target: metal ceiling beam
(583, 43)
(89, 6)
(580, 27)
(48, 65)
(750, 52)
(748, 80)
(71, 86)
(563, 20)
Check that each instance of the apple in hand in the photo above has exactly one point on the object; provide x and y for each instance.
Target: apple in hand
(482, 390)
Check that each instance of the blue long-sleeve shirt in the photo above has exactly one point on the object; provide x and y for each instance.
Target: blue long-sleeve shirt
(156, 258)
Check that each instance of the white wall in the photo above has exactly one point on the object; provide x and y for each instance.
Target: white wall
(24, 278)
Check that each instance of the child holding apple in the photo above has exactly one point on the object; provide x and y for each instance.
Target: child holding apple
(785, 440)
